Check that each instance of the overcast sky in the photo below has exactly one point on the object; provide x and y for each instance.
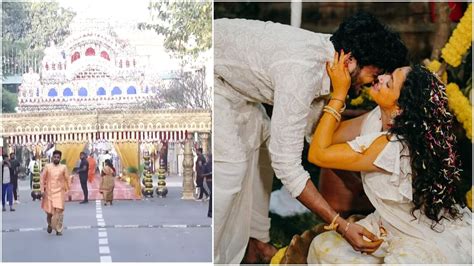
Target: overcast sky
(127, 13)
(132, 10)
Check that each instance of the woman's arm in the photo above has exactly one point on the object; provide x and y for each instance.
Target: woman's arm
(349, 129)
(322, 151)
(340, 156)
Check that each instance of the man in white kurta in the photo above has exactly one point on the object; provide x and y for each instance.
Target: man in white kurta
(253, 67)
(262, 62)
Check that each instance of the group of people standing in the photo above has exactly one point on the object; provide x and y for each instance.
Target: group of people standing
(86, 172)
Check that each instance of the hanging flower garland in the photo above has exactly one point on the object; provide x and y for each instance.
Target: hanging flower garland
(461, 107)
(469, 198)
(276, 259)
(460, 40)
(363, 101)
(434, 66)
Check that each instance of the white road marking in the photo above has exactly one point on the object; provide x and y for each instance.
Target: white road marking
(105, 259)
(103, 240)
(104, 250)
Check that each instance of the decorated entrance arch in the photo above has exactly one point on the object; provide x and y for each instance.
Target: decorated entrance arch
(95, 89)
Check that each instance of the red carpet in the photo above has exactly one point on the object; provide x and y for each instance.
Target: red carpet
(121, 191)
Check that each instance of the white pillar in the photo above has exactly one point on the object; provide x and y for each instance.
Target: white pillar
(296, 11)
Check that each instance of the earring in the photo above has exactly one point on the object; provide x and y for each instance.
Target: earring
(394, 114)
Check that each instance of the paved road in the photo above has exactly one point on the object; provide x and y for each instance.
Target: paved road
(151, 230)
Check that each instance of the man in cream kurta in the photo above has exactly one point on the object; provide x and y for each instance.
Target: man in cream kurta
(259, 62)
(55, 181)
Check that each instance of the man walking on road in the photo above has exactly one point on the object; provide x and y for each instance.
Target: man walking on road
(55, 182)
(200, 162)
(83, 173)
(15, 168)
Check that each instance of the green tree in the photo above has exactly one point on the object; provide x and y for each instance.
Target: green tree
(9, 101)
(187, 26)
(35, 23)
(28, 28)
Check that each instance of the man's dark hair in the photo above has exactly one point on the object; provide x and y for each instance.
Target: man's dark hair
(57, 152)
(12, 154)
(82, 153)
(199, 150)
(370, 42)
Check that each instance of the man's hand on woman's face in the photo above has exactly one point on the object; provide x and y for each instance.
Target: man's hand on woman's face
(339, 74)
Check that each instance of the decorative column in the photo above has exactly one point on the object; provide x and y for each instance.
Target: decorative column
(44, 161)
(188, 168)
(161, 189)
(147, 176)
(204, 142)
(36, 190)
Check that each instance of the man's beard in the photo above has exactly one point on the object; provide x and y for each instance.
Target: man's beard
(56, 162)
(354, 90)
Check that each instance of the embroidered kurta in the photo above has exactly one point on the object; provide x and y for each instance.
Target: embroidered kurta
(280, 65)
(55, 183)
(259, 62)
(409, 240)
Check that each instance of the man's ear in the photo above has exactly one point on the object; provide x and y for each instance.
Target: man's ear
(350, 59)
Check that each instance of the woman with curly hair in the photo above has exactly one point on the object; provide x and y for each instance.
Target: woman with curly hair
(405, 151)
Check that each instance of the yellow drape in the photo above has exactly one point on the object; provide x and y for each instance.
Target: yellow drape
(128, 153)
(70, 152)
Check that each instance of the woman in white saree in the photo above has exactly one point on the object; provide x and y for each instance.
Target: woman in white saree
(406, 153)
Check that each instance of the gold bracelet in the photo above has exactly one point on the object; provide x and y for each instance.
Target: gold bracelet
(345, 229)
(333, 112)
(333, 109)
(333, 225)
(343, 107)
(332, 98)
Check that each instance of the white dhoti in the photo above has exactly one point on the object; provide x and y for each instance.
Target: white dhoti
(243, 174)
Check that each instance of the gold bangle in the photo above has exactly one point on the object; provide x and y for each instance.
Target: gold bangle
(332, 108)
(345, 229)
(332, 98)
(342, 101)
(333, 112)
(333, 225)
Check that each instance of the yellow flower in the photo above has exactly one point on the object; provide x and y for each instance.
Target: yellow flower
(460, 40)
(460, 107)
(469, 198)
(434, 66)
(278, 256)
(357, 101)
